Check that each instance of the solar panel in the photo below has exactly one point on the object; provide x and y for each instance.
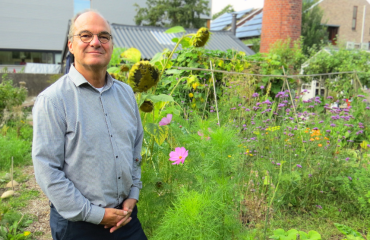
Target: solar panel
(163, 38)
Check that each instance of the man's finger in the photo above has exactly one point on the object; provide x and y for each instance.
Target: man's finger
(124, 223)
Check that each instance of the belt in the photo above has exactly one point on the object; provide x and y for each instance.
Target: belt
(119, 206)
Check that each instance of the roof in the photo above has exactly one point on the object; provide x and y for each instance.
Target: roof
(151, 40)
(251, 28)
(226, 19)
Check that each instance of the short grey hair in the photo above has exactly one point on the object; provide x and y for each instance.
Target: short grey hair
(73, 20)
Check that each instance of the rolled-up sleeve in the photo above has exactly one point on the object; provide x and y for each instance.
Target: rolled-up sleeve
(48, 156)
(136, 173)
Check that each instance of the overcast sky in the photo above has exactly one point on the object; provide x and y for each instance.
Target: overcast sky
(218, 5)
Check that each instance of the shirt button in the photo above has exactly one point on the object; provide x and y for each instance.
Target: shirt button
(111, 135)
(99, 205)
(116, 156)
(106, 114)
(119, 177)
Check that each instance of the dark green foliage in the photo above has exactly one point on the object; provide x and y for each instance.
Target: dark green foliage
(9, 95)
(312, 31)
(227, 9)
(169, 13)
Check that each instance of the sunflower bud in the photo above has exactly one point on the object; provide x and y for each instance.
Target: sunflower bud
(201, 37)
(143, 76)
(124, 68)
(147, 106)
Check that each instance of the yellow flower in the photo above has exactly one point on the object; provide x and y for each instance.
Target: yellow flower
(191, 95)
(195, 85)
(229, 156)
(251, 155)
(320, 145)
(26, 233)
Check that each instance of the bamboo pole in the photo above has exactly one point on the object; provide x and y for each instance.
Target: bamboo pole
(290, 94)
(260, 75)
(214, 88)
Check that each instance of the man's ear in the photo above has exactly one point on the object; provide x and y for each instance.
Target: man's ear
(70, 47)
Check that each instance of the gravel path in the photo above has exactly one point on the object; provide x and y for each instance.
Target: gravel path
(38, 207)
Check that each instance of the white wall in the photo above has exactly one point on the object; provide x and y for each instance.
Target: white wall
(34, 24)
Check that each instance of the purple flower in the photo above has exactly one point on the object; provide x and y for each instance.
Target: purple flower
(347, 159)
(364, 100)
(329, 97)
(361, 96)
(332, 125)
(255, 95)
(212, 111)
(278, 164)
(247, 109)
(310, 175)
(298, 165)
(262, 87)
(350, 178)
(319, 206)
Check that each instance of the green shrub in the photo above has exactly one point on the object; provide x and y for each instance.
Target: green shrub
(19, 149)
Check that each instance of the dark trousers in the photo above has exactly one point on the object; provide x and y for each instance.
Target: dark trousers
(62, 229)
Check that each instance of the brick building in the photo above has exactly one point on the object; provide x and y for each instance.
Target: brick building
(281, 20)
(347, 19)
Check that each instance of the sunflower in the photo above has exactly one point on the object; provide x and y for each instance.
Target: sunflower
(147, 106)
(201, 37)
(143, 76)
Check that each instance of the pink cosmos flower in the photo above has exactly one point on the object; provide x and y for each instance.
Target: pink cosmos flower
(179, 155)
(166, 120)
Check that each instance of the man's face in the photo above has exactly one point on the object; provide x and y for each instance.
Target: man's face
(92, 55)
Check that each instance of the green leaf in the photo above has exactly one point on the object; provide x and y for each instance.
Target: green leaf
(159, 133)
(176, 29)
(159, 98)
(185, 42)
(313, 235)
(157, 57)
(132, 55)
(113, 70)
(175, 40)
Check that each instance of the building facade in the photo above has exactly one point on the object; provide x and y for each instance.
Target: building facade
(347, 20)
(34, 31)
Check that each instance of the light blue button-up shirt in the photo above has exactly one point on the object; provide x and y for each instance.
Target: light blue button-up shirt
(86, 146)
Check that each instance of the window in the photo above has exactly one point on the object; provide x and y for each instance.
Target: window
(354, 18)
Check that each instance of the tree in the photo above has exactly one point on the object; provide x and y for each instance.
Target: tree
(313, 32)
(227, 9)
(169, 13)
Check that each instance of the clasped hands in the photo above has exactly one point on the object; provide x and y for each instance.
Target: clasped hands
(117, 218)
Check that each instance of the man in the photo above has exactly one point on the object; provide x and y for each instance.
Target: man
(87, 142)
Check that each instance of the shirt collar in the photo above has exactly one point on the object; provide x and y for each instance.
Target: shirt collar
(78, 79)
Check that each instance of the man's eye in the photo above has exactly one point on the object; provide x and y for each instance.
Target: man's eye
(105, 37)
(85, 35)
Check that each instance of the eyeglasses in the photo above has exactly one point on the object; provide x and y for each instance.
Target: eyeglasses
(87, 37)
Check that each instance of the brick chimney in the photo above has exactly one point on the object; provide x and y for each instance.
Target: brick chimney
(281, 19)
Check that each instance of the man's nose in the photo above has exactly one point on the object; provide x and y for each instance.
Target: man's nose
(95, 41)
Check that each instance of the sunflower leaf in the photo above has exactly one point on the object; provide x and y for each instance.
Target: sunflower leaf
(159, 133)
(176, 29)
